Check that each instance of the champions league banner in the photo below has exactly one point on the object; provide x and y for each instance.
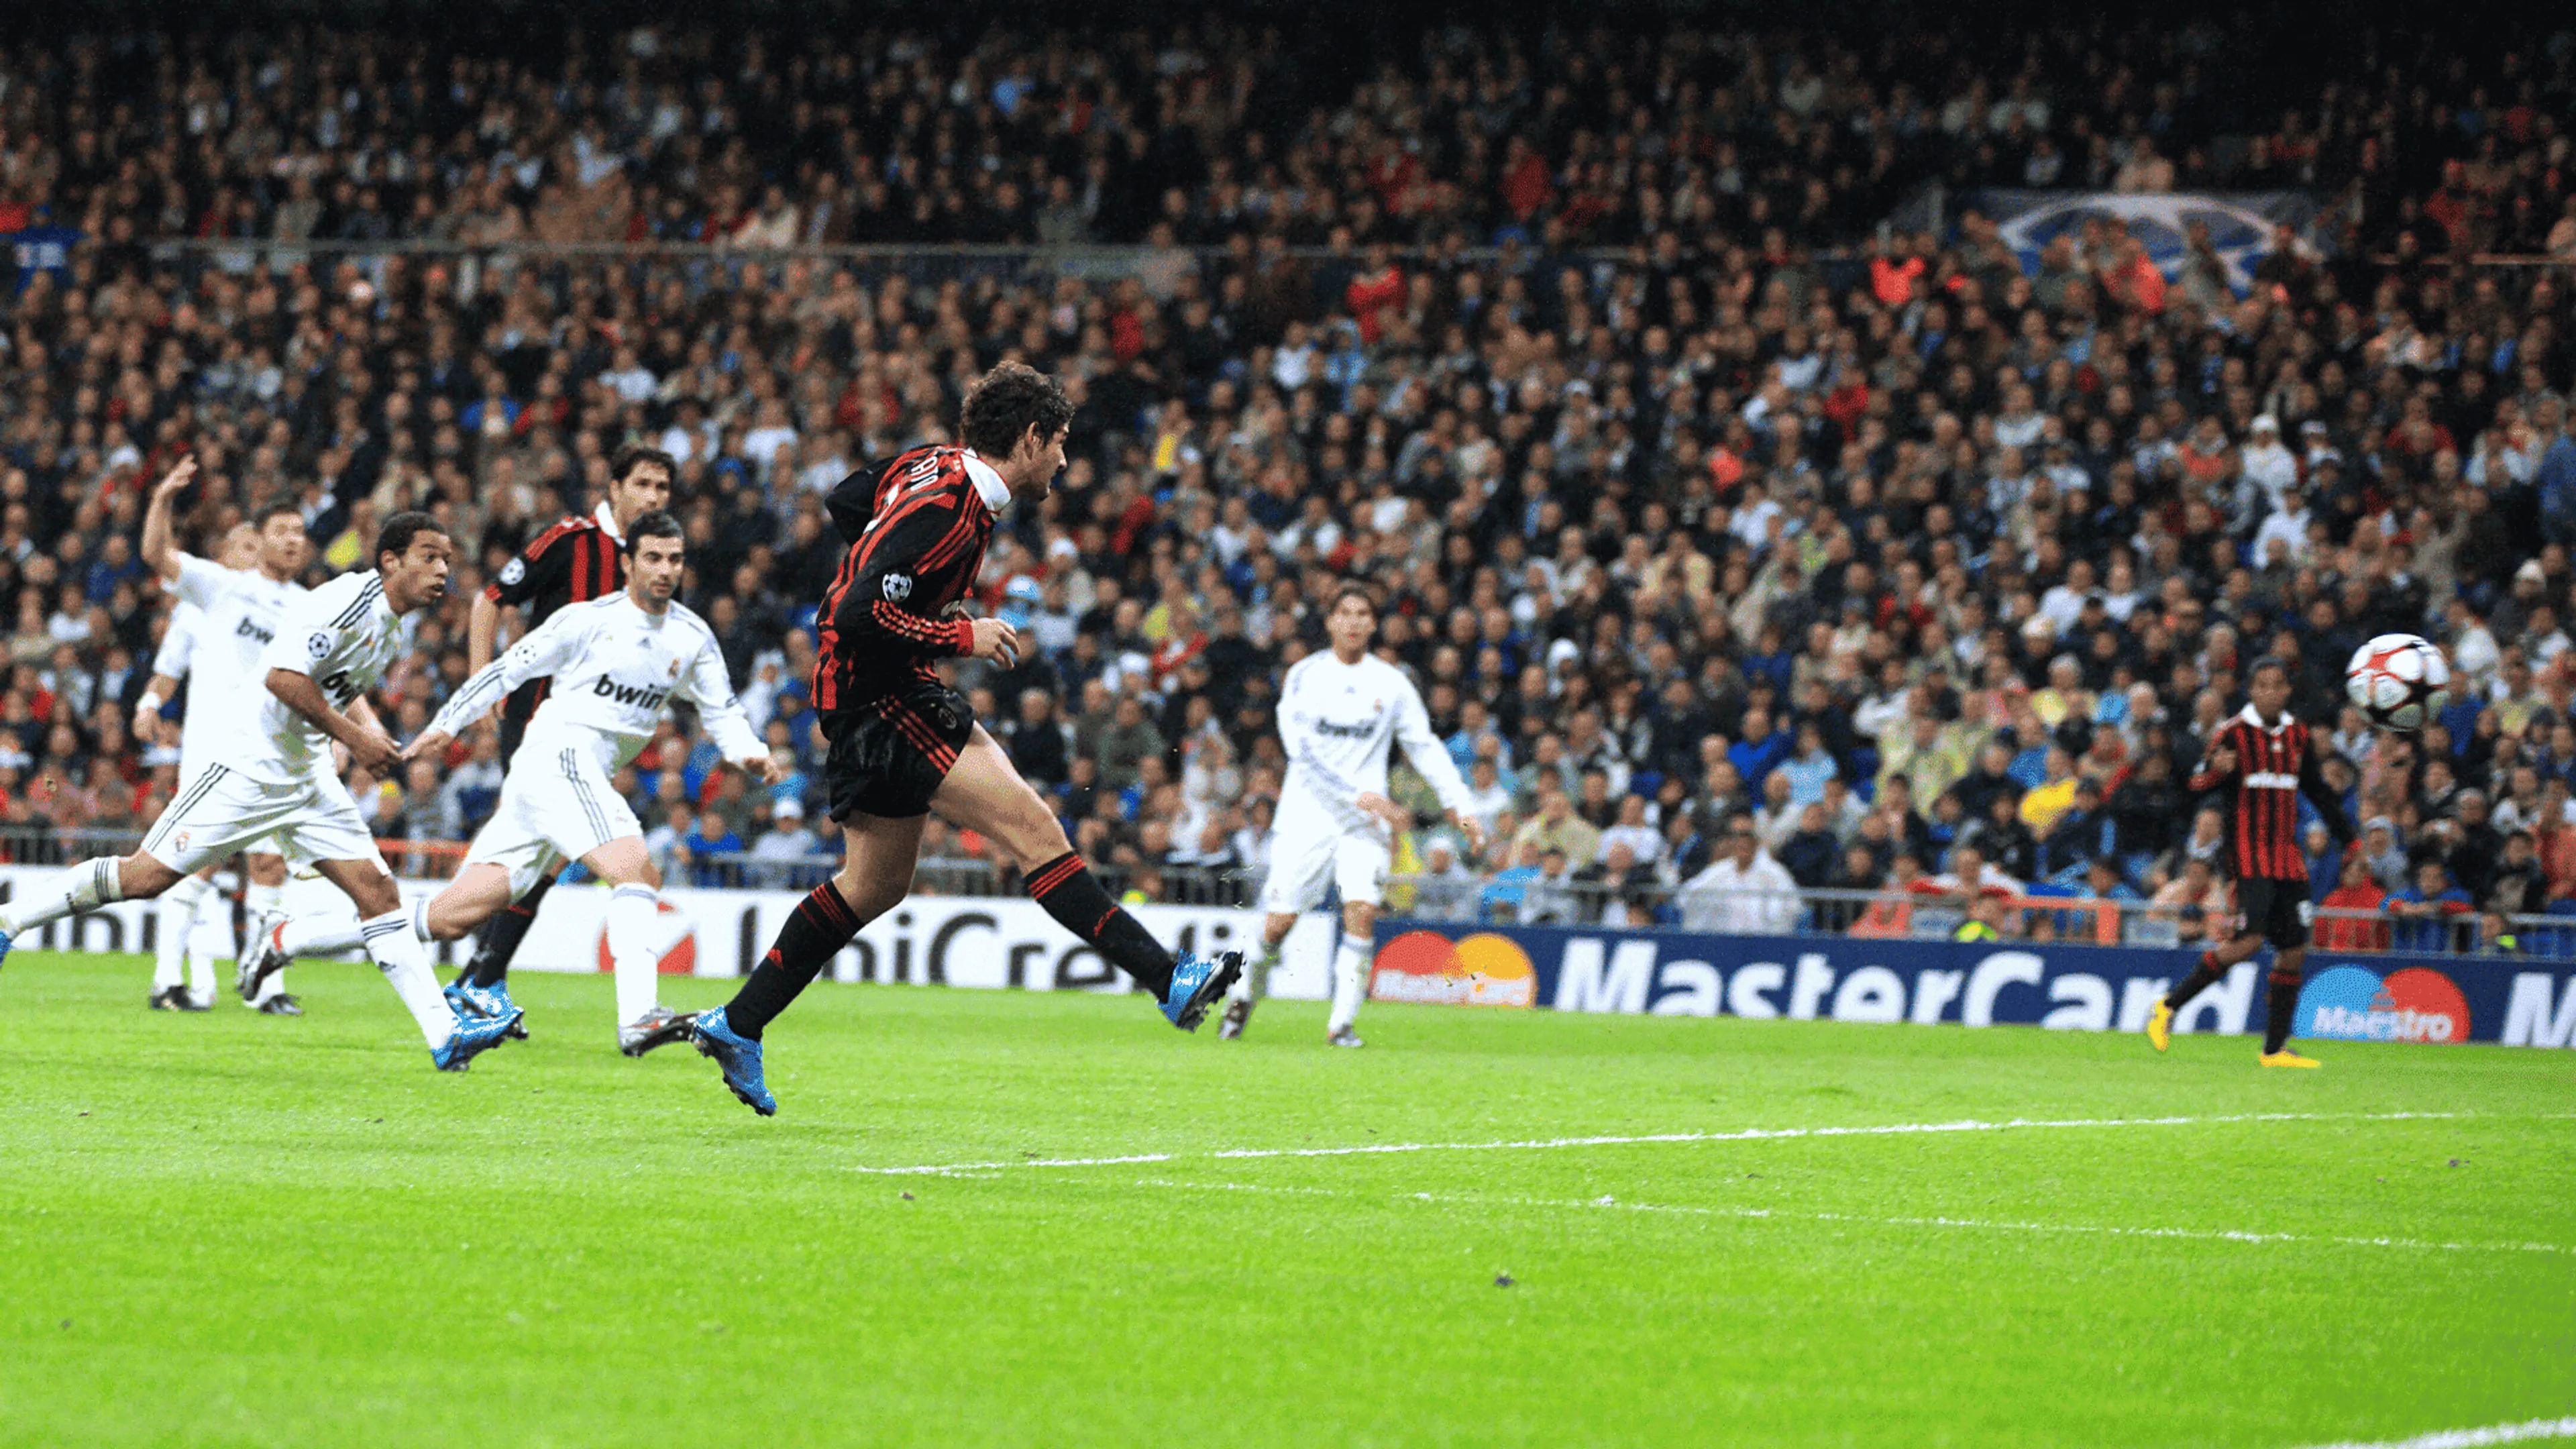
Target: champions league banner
(2347, 997)
(2240, 223)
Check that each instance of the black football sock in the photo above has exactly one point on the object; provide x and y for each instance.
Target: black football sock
(499, 942)
(2202, 977)
(815, 932)
(2283, 1004)
(1072, 894)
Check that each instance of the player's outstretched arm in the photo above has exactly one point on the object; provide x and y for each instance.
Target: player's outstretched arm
(1430, 759)
(710, 688)
(367, 744)
(2312, 783)
(547, 650)
(160, 549)
(482, 628)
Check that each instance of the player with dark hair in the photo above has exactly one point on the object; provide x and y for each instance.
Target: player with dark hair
(2264, 759)
(622, 661)
(579, 559)
(274, 780)
(224, 618)
(901, 742)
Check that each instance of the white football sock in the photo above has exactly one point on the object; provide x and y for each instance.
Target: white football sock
(1350, 981)
(324, 935)
(209, 939)
(258, 902)
(84, 887)
(174, 916)
(398, 954)
(1254, 983)
(633, 932)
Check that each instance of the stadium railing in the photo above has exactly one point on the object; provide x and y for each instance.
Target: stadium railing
(1467, 899)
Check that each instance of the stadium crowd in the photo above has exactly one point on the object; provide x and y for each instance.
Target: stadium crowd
(1739, 543)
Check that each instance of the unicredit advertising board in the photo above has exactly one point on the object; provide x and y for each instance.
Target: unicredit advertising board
(2516, 1001)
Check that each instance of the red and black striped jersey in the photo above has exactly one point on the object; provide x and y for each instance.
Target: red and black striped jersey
(574, 562)
(2275, 764)
(898, 601)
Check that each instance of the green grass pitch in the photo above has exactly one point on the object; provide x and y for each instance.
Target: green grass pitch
(228, 1229)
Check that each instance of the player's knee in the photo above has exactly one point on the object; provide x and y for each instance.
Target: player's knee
(139, 877)
(1359, 917)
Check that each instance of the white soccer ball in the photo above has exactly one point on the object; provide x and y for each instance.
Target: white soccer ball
(2399, 680)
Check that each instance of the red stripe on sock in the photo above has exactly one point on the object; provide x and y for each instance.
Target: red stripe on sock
(836, 912)
(1051, 876)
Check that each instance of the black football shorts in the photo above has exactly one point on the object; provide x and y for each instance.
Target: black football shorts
(2277, 910)
(887, 757)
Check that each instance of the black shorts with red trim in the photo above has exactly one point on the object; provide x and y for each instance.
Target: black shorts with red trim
(888, 756)
(2276, 910)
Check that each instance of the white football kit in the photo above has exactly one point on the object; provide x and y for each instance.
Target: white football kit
(266, 770)
(615, 669)
(229, 619)
(1337, 721)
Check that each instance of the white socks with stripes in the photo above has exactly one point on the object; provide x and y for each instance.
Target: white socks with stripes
(174, 920)
(1350, 981)
(84, 887)
(398, 953)
(634, 948)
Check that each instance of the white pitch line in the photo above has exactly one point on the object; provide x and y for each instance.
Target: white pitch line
(1612, 1204)
(2471, 1438)
(1749, 1134)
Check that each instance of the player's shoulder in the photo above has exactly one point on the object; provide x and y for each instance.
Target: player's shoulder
(570, 526)
(688, 618)
(343, 595)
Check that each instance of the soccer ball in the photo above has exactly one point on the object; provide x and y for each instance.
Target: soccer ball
(2399, 681)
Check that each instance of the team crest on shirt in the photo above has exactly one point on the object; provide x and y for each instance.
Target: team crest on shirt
(675, 669)
(897, 588)
(513, 571)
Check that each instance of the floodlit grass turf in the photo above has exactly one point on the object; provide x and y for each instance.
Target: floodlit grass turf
(230, 1229)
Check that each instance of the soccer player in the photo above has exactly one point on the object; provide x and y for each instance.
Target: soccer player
(617, 663)
(901, 743)
(574, 562)
(2264, 759)
(1339, 711)
(274, 780)
(230, 613)
(182, 978)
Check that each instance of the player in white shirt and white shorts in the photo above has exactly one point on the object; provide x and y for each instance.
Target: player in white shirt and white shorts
(617, 663)
(1339, 712)
(225, 618)
(276, 779)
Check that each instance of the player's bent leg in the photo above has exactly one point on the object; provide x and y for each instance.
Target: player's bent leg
(983, 792)
(1254, 983)
(2289, 967)
(392, 936)
(101, 881)
(634, 945)
(174, 918)
(1350, 971)
(498, 945)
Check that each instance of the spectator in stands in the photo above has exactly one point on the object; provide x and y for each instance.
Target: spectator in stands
(784, 855)
(1446, 890)
(2354, 891)
(2428, 908)
(1744, 892)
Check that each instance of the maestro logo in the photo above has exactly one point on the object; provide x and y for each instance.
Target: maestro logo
(1478, 970)
(2353, 1003)
(680, 946)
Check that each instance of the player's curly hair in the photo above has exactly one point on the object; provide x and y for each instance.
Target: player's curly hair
(1008, 401)
(636, 455)
(395, 536)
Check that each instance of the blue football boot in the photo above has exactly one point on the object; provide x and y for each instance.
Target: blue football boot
(739, 1057)
(4, 945)
(1197, 981)
(473, 1038)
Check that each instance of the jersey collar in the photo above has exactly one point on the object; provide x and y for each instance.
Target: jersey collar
(2249, 715)
(988, 483)
(608, 520)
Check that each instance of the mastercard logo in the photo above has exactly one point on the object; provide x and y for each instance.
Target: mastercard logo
(2353, 1003)
(1478, 970)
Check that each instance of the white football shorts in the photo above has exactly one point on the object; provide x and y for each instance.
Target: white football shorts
(1309, 851)
(556, 805)
(220, 811)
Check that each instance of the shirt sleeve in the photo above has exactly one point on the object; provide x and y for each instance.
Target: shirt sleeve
(178, 646)
(200, 582)
(2312, 783)
(709, 687)
(545, 566)
(892, 559)
(311, 633)
(2206, 779)
(545, 650)
(1423, 750)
